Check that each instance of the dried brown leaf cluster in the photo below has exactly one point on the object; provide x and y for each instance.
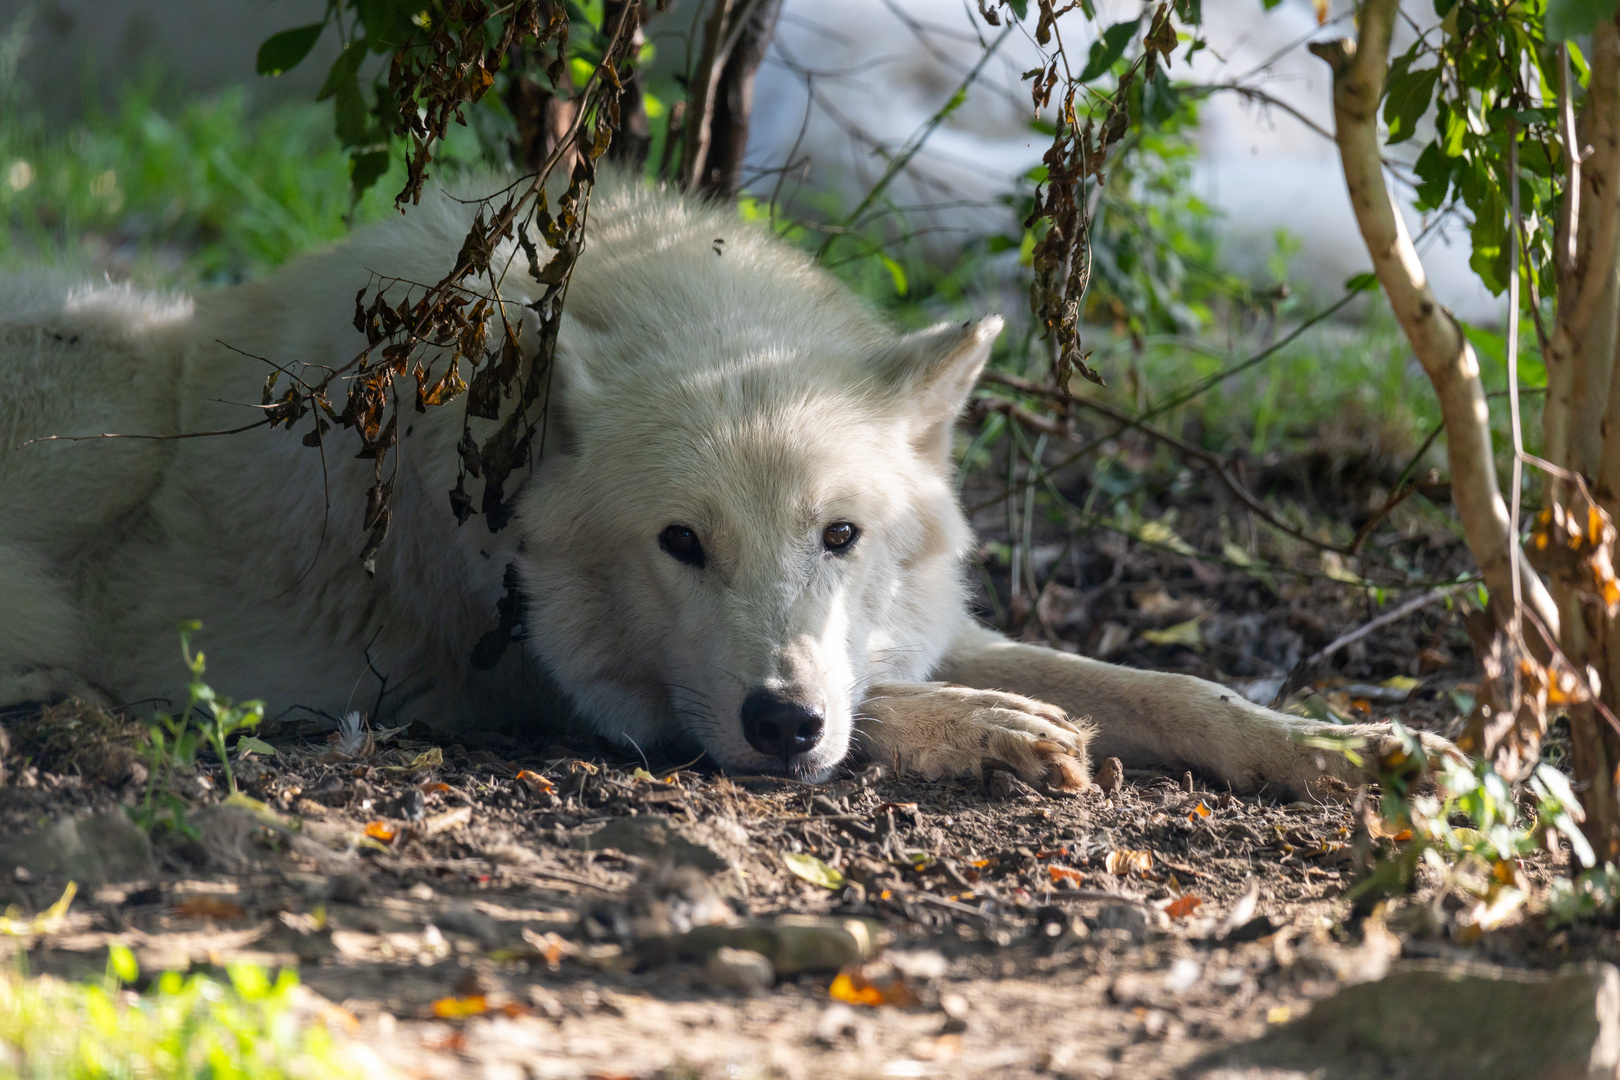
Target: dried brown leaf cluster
(457, 338)
(1065, 200)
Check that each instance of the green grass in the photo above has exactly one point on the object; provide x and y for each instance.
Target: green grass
(244, 1028)
(206, 193)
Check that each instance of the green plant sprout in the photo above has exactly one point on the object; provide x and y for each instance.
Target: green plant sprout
(1480, 860)
(174, 739)
(246, 1027)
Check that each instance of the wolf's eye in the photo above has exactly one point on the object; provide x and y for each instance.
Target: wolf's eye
(838, 537)
(682, 543)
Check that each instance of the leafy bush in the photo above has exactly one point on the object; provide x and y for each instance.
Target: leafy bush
(181, 1028)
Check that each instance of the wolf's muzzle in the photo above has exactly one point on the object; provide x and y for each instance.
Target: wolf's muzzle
(779, 727)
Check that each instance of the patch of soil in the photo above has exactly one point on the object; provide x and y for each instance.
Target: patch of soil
(485, 907)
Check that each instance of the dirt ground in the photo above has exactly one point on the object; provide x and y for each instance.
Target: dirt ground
(490, 906)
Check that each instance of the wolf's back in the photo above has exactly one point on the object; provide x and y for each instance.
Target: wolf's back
(83, 359)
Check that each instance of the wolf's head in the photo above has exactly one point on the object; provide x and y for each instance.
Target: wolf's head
(745, 517)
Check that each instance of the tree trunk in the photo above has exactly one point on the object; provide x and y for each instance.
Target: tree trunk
(721, 94)
(1585, 342)
(734, 102)
(1447, 357)
(633, 139)
(1575, 536)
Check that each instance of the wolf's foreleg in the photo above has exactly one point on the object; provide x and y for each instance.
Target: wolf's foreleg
(942, 730)
(1150, 718)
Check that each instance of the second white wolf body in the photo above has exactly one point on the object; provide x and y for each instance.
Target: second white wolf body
(740, 534)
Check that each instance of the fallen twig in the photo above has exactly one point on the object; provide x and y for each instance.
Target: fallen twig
(1302, 670)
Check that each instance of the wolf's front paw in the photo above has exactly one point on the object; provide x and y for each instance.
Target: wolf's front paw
(939, 729)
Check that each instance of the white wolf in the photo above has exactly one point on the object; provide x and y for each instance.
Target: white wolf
(741, 533)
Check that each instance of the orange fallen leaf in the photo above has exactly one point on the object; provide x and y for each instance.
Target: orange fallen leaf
(433, 788)
(457, 1008)
(1054, 853)
(844, 988)
(1199, 811)
(381, 830)
(1064, 873)
(855, 986)
(207, 907)
(1183, 906)
(535, 782)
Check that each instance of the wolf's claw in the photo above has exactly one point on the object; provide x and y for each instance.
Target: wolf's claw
(939, 729)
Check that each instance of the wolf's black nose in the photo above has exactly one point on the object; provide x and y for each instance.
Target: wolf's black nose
(776, 726)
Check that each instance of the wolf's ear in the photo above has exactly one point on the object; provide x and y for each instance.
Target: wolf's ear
(932, 372)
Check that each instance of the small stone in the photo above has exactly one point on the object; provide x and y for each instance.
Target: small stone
(420, 891)
(468, 921)
(653, 836)
(1130, 918)
(742, 970)
(92, 851)
(792, 943)
(1437, 1019)
(1110, 776)
(331, 791)
(410, 805)
(1005, 787)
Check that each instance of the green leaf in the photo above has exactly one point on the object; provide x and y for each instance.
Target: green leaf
(1433, 171)
(1490, 237)
(1407, 98)
(1575, 18)
(248, 744)
(1020, 8)
(1364, 282)
(1109, 48)
(1186, 633)
(122, 963)
(897, 272)
(349, 112)
(813, 870)
(345, 68)
(366, 169)
(283, 52)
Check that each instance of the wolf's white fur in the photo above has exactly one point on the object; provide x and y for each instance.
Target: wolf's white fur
(743, 394)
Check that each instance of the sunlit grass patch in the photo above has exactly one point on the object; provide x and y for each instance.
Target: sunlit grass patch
(223, 191)
(244, 1028)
